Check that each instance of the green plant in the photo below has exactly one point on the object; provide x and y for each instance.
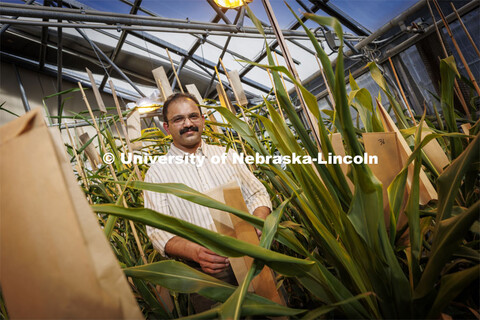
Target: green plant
(330, 246)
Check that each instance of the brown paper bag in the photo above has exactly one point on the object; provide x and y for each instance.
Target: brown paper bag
(225, 223)
(427, 191)
(466, 128)
(385, 146)
(56, 262)
(434, 151)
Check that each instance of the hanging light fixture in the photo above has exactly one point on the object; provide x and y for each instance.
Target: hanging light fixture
(147, 104)
(231, 4)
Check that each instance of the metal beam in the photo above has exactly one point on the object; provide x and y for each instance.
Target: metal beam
(298, 44)
(120, 42)
(83, 56)
(392, 23)
(43, 48)
(241, 19)
(114, 66)
(274, 44)
(122, 21)
(59, 64)
(391, 52)
(222, 54)
(300, 2)
(154, 53)
(198, 31)
(194, 48)
(329, 8)
(204, 38)
(23, 94)
(6, 26)
(179, 51)
(32, 65)
(219, 12)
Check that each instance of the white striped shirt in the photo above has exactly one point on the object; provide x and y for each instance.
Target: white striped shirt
(201, 178)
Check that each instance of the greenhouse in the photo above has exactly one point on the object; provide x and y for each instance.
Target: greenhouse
(239, 159)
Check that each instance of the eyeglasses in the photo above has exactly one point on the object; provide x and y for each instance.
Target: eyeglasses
(180, 120)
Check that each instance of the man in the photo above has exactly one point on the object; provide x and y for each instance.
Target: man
(184, 121)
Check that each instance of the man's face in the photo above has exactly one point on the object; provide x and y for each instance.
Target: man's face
(185, 123)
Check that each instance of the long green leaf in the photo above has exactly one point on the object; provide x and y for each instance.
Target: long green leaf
(221, 244)
(450, 180)
(447, 239)
(448, 72)
(179, 277)
(451, 286)
(180, 190)
(382, 83)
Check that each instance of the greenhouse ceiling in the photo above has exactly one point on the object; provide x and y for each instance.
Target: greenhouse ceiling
(134, 36)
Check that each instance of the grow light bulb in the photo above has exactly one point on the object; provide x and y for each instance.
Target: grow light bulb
(231, 4)
(145, 105)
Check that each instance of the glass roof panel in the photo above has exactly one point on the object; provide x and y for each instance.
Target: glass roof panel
(14, 1)
(108, 6)
(95, 36)
(194, 10)
(182, 40)
(384, 10)
(208, 52)
(191, 66)
(246, 47)
(281, 11)
(219, 40)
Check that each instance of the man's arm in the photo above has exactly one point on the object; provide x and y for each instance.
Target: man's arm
(209, 261)
(261, 212)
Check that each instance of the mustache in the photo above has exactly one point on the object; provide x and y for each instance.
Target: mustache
(192, 128)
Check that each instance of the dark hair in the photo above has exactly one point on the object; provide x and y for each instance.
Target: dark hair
(175, 97)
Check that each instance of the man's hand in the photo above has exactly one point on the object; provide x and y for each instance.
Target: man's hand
(209, 261)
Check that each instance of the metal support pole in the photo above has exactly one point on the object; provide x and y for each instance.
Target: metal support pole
(59, 65)
(207, 92)
(6, 26)
(125, 20)
(23, 95)
(241, 19)
(274, 44)
(329, 8)
(219, 12)
(392, 23)
(121, 41)
(44, 40)
(51, 72)
(199, 60)
(114, 66)
(195, 46)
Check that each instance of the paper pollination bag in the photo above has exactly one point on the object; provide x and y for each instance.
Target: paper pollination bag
(228, 224)
(385, 146)
(427, 191)
(55, 261)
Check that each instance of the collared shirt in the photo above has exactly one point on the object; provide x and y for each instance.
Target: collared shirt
(201, 178)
